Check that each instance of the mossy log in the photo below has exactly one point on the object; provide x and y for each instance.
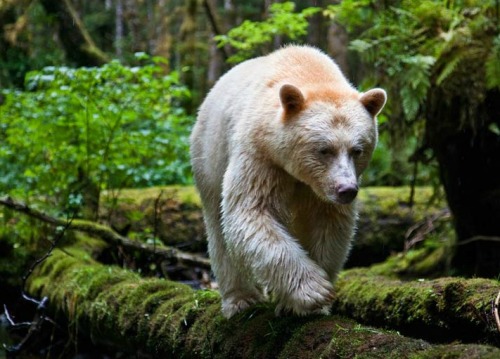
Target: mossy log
(442, 309)
(107, 234)
(159, 318)
(385, 217)
(171, 213)
(77, 42)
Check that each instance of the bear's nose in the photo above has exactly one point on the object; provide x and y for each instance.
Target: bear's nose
(347, 193)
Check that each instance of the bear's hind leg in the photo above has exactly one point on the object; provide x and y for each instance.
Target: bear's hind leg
(237, 288)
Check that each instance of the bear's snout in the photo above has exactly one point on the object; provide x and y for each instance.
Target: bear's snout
(347, 192)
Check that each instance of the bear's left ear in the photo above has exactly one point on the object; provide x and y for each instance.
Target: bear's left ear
(374, 100)
(291, 99)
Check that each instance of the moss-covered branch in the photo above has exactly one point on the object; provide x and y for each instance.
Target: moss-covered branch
(107, 234)
(75, 38)
(439, 309)
(159, 318)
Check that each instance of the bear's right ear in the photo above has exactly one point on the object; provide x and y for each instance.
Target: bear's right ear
(291, 99)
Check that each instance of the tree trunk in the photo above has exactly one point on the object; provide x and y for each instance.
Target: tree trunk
(469, 163)
(78, 45)
(119, 29)
(186, 49)
(159, 318)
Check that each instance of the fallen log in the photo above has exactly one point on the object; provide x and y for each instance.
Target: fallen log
(107, 234)
(442, 309)
(159, 318)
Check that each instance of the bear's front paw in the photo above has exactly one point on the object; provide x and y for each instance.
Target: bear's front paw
(233, 305)
(312, 295)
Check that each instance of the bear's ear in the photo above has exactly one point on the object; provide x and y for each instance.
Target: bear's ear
(292, 99)
(374, 100)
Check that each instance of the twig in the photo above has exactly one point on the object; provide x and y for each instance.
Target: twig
(44, 257)
(41, 305)
(34, 326)
(109, 235)
(418, 231)
(156, 218)
(479, 238)
(495, 311)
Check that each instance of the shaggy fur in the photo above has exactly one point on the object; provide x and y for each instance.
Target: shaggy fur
(277, 152)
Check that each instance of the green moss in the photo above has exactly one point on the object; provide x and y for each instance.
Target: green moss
(309, 340)
(457, 351)
(160, 318)
(416, 263)
(395, 200)
(434, 309)
(182, 194)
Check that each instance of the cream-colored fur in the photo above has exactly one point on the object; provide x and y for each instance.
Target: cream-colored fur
(277, 152)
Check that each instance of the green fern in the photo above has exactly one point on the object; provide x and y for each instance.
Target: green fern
(449, 68)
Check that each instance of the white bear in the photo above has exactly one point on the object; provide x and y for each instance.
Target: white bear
(277, 152)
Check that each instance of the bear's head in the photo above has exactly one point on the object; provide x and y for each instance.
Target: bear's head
(327, 138)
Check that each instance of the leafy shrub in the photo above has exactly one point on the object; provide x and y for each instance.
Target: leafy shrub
(251, 36)
(109, 127)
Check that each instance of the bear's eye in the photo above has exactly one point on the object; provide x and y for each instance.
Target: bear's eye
(356, 151)
(326, 151)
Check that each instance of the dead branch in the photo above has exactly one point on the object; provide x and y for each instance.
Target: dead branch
(108, 235)
(418, 231)
(495, 311)
(35, 325)
(479, 238)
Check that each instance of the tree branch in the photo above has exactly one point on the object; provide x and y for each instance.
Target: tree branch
(107, 234)
(78, 44)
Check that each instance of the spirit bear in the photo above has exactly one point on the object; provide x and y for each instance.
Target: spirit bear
(277, 151)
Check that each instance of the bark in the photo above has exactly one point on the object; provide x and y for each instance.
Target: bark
(469, 161)
(337, 42)
(216, 26)
(119, 29)
(159, 318)
(78, 45)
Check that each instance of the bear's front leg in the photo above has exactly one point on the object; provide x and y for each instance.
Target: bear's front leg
(256, 236)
